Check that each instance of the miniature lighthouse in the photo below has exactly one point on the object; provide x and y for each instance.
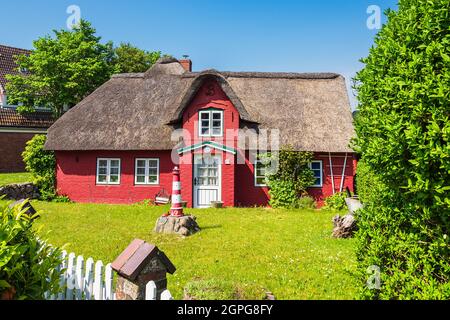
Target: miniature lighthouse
(177, 207)
(176, 221)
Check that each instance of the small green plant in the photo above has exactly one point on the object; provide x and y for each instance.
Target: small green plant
(41, 164)
(336, 201)
(305, 202)
(27, 264)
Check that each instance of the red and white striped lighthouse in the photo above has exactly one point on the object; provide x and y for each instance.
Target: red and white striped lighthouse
(177, 207)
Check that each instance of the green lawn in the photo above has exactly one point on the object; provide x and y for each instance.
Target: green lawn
(287, 252)
(8, 178)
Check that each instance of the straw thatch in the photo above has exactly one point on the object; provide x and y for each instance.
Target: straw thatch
(139, 111)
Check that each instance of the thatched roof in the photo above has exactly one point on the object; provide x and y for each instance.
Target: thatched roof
(139, 111)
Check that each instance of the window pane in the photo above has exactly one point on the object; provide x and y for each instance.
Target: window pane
(102, 171)
(217, 124)
(315, 165)
(217, 115)
(317, 173)
(152, 179)
(205, 116)
(114, 171)
(102, 163)
(140, 179)
(317, 183)
(114, 163)
(153, 172)
(260, 181)
(217, 131)
(101, 178)
(260, 172)
(140, 171)
(141, 163)
(114, 178)
(153, 163)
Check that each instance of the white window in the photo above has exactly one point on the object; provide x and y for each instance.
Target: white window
(108, 171)
(147, 171)
(260, 173)
(316, 167)
(210, 123)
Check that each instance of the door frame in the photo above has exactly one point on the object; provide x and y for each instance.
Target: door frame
(219, 177)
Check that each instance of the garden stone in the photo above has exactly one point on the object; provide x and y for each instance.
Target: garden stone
(344, 227)
(184, 226)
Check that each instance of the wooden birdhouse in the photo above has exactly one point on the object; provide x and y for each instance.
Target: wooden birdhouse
(136, 266)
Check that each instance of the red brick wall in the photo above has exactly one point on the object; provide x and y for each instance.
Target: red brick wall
(11, 147)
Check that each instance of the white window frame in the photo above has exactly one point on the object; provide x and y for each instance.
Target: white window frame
(321, 173)
(211, 120)
(255, 167)
(108, 171)
(147, 169)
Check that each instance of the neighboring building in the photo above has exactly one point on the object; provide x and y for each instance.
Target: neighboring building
(16, 129)
(119, 144)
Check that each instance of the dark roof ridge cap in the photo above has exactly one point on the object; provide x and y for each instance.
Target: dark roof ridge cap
(269, 75)
(129, 75)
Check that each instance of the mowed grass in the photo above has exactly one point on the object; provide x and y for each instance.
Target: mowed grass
(288, 252)
(9, 178)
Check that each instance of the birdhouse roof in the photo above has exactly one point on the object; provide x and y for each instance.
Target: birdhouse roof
(134, 258)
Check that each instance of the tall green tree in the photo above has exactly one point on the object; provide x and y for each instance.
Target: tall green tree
(61, 70)
(403, 131)
(130, 59)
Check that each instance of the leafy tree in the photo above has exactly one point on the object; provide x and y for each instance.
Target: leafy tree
(62, 70)
(130, 59)
(403, 133)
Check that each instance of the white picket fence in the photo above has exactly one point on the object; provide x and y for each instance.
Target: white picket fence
(89, 280)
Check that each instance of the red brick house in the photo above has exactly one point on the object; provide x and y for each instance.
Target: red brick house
(120, 144)
(16, 129)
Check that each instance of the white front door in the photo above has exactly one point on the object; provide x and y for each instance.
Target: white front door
(207, 180)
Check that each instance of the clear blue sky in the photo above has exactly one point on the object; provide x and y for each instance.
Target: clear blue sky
(232, 35)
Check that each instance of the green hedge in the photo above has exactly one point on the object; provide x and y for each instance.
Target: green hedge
(403, 130)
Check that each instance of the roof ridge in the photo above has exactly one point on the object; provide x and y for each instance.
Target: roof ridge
(269, 75)
(6, 46)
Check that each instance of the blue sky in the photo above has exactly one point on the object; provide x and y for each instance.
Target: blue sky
(291, 36)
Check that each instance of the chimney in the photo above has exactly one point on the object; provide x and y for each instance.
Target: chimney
(186, 63)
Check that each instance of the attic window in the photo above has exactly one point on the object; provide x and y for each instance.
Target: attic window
(210, 123)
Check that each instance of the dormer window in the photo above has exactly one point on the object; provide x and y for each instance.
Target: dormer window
(211, 123)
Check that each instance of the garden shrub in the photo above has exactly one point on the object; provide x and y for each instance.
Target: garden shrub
(27, 264)
(336, 201)
(403, 131)
(305, 202)
(41, 164)
(292, 178)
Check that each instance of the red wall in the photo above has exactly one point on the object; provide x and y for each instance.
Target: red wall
(76, 176)
(250, 195)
